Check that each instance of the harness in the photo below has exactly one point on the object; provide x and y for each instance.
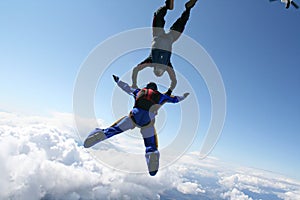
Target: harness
(146, 98)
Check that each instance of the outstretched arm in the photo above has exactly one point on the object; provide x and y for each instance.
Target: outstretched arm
(135, 72)
(124, 86)
(172, 99)
(173, 79)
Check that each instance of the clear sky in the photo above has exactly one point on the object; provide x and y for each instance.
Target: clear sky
(255, 45)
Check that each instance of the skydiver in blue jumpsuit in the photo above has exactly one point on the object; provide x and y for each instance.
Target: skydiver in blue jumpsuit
(147, 102)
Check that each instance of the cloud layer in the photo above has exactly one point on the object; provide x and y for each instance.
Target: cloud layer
(42, 158)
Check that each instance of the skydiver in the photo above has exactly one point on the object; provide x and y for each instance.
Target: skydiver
(287, 3)
(162, 42)
(147, 102)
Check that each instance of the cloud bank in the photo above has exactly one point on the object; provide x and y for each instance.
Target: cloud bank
(43, 158)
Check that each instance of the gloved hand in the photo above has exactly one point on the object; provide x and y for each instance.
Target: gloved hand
(116, 78)
(169, 92)
(186, 94)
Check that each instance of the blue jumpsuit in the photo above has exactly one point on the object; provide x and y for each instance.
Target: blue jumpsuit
(141, 118)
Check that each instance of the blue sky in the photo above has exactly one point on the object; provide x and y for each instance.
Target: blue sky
(254, 44)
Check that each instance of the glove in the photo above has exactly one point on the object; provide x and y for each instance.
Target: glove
(169, 92)
(186, 94)
(116, 78)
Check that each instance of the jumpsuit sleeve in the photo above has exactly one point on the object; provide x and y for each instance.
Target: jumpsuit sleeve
(170, 99)
(125, 87)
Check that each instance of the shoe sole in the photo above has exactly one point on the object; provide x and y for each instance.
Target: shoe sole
(94, 139)
(190, 4)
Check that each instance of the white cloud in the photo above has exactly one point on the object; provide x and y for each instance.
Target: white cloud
(291, 195)
(235, 194)
(255, 182)
(42, 157)
(189, 188)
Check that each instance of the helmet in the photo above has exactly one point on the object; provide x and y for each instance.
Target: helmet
(152, 86)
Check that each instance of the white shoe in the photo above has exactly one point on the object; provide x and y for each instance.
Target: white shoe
(152, 159)
(94, 137)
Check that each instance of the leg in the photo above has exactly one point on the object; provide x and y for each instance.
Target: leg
(99, 135)
(123, 124)
(158, 22)
(288, 3)
(178, 27)
(158, 19)
(151, 144)
(150, 137)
